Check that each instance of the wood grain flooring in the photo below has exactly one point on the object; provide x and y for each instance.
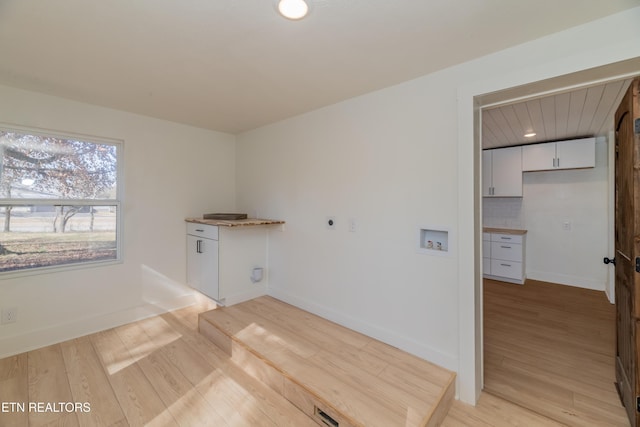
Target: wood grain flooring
(550, 348)
(316, 363)
(155, 372)
(162, 372)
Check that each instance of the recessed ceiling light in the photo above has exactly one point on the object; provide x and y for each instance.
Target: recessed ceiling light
(293, 9)
(529, 135)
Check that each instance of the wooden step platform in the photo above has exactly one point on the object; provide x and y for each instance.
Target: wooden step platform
(336, 376)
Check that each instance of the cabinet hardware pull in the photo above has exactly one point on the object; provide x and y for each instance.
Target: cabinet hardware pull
(505, 238)
(199, 230)
(505, 247)
(199, 246)
(506, 265)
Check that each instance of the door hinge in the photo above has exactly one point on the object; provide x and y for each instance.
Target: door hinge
(637, 264)
(636, 126)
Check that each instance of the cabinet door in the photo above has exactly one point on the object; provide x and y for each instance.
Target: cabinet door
(194, 263)
(538, 157)
(507, 172)
(202, 265)
(579, 153)
(486, 173)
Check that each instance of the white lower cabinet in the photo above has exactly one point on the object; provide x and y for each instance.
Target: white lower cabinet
(504, 256)
(202, 259)
(221, 260)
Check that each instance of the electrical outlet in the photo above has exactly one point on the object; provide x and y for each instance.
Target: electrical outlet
(352, 225)
(331, 223)
(9, 315)
(566, 225)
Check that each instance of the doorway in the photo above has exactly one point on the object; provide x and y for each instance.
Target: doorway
(549, 344)
(471, 99)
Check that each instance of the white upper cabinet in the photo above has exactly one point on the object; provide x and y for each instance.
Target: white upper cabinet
(539, 157)
(502, 172)
(574, 154)
(579, 153)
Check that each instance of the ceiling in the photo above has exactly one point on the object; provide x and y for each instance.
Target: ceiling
(582, 112)
(234, 65)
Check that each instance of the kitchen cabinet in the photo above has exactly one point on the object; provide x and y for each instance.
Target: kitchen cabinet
(573, 154)
(502, 172)
(486, 253)
(221, 257)
(202, 259)
(504, 255)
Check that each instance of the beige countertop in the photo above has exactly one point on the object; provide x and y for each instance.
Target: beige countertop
(504, 230)
(235, 222)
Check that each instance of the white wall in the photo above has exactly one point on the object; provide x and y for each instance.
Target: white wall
(395, 160)
(385, 160)
(580, 196)
(171, 171)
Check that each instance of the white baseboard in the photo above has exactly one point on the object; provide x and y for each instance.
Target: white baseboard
(409, 345)
(564, 279)
(54, 334)
(238, 298)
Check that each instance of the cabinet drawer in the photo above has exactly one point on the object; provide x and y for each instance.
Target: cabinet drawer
(507, 238)
(506, 251)
(508, 269)
(202, 230)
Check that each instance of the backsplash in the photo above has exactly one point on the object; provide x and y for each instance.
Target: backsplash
(503, 212)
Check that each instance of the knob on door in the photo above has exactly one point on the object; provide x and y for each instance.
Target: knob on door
(609, 260)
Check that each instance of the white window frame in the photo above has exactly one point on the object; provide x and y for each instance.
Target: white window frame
(117, 202)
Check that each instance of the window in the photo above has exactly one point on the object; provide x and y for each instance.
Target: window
(59, 200)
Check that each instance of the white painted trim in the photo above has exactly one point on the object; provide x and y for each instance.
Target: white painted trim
(505, 279)
(54, 334)
(447, 361)
(566, 279)
(246, 296)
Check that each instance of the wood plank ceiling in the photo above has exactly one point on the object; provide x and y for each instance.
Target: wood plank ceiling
(573, 114)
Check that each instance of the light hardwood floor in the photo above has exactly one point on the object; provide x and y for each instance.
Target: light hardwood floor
(162, 372)
(157, 372)
(318, 364)
(550, 348)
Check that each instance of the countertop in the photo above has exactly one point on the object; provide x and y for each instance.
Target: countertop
(504, 230)
(235, 222)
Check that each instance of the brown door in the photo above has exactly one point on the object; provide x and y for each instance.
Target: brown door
(627, 241)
